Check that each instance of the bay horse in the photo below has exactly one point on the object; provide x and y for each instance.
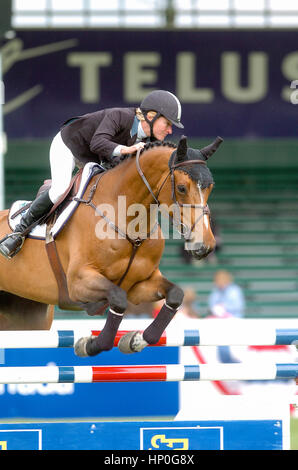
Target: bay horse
(117, 267)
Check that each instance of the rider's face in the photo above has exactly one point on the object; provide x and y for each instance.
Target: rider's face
(161, 128)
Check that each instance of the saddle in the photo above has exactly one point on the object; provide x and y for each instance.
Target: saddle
(58, 207)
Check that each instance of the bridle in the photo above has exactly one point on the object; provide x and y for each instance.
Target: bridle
(186, 231)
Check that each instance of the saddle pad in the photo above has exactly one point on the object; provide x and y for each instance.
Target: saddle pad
(39, 231)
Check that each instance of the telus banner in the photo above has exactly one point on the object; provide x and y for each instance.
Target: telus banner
(230, 83)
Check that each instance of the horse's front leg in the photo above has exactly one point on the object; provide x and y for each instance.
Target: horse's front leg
(157, 287)
(88, 286)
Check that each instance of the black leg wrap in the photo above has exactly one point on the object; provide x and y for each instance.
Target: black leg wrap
(154, 331)
(173, 301)
(105, 341)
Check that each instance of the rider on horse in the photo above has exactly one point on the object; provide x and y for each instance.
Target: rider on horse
(103, 137)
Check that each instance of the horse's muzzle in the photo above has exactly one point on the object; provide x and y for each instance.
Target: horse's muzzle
(198, 250)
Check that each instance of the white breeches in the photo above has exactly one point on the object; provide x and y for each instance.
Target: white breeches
(62, 164)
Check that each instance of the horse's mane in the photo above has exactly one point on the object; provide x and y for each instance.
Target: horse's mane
(158, 143)
(150, 145)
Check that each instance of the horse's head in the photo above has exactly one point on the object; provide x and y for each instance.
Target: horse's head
(191, 185)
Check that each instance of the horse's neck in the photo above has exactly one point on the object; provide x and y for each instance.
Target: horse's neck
(154, 165)
(124, 189)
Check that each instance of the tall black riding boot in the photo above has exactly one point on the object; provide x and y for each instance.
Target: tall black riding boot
(14, 241)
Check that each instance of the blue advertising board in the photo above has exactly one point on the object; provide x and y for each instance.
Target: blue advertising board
(170, 436)
(230, 83)
(71, 400)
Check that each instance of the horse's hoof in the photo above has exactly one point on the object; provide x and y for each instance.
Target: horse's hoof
(80, 346)
(132, 342)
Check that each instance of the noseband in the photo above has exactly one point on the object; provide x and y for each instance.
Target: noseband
(186, 231)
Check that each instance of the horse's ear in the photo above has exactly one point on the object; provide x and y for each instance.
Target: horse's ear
(210, 149)
(182, 149)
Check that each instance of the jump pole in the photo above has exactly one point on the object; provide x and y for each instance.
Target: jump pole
(206, 335)
(147, 373)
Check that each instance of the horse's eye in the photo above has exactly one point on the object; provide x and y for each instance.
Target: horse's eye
(181, 188)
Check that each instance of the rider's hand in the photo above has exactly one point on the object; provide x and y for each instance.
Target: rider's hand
(132, 149)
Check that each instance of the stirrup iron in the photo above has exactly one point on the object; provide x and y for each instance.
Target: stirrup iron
(13, 253)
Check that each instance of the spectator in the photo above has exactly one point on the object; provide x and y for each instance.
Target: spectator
(226, 299)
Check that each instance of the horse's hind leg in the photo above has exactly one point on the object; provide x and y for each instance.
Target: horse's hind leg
(17, 313)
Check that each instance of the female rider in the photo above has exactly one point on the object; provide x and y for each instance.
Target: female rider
(102, 137)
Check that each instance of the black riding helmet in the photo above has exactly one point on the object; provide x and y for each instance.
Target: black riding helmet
(164, 104)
